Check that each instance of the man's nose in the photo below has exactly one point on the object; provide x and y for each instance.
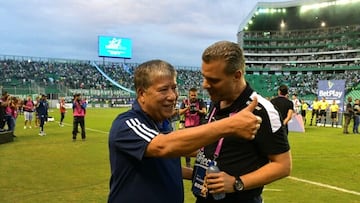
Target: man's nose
(205, 84)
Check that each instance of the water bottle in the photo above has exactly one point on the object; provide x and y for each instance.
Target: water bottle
(214, 169)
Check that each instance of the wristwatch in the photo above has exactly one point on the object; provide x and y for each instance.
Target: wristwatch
(238, 185)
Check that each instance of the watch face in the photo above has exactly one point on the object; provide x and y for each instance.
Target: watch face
(239, 186)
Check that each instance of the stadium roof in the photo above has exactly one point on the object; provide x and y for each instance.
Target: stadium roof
(268, 15)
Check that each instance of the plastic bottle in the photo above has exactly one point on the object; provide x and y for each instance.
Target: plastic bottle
(214, 169)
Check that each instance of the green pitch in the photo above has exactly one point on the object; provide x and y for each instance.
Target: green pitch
(52, 168)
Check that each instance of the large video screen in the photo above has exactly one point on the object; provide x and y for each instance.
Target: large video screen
(116, 47)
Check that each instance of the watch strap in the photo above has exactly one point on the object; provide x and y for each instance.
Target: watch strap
(238, 185)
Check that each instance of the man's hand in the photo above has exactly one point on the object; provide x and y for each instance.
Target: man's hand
(245, 123)
(220, 182)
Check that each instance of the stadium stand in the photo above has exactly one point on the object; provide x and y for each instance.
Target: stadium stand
(284, 46)
(22, 75)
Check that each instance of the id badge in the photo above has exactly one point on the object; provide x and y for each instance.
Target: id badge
(199, 187)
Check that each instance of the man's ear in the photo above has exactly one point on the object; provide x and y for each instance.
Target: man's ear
(140, 92)
(238, 75)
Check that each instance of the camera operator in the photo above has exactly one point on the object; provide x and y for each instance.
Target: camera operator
(193, 110)
(79, 111)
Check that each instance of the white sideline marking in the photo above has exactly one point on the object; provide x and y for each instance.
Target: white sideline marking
(273, 190)
(99, 131)
(325, 185)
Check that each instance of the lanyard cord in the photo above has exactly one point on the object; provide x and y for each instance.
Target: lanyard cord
(220, 142)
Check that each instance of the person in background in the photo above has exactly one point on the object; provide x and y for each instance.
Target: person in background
(324, 105)
(348, 114)
(79, 112)
(42, 112)
(356, 109)
(3, 105)
(334, 109)
(315, 111)
(28, 107)
(297, 104)
(284, 105)
(175, 118)
(304, 107)
(37, 120)
(193, 110)
(12, 113)
(20, 106)
(145, 152)
(62, 109)
(245, 165)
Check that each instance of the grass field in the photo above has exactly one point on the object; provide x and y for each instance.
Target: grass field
(52, 168)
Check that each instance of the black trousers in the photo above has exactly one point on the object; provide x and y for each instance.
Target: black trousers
(79, 120)
(62, 114)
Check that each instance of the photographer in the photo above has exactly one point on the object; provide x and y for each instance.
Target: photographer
(79, 111)
(193, 110)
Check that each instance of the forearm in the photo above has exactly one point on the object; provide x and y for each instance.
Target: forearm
(270, 172)
(288, 117)
(286, 121)
(187, 173)
(243, 124)
(193, 154)
(202, 111)
(186, 141)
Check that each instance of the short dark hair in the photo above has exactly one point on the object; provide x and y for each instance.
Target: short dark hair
(284, 90)
(229, 52)
(193, 89)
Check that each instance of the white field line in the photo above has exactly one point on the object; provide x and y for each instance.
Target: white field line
(99, 131)
(325, 185)
(273, 190)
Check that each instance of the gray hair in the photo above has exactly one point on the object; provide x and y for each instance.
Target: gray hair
(146, 72)
(230, 52)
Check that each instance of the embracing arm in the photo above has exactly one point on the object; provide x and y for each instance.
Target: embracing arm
(182, 142)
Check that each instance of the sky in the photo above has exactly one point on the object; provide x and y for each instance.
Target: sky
(176, 31)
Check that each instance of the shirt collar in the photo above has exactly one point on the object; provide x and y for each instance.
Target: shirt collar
(163, 127)
(240, 101)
